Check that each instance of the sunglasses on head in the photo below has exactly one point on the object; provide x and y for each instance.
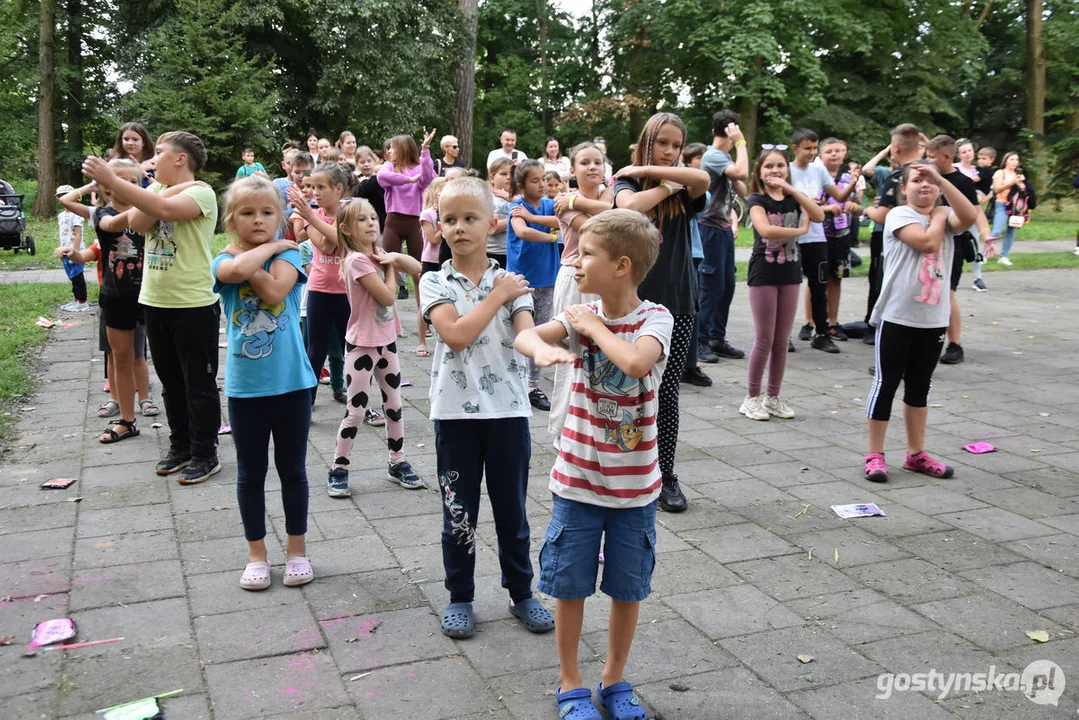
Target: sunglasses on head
(767, 146)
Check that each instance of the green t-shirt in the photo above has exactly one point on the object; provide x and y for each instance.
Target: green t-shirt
(249, 170)
(177, 272)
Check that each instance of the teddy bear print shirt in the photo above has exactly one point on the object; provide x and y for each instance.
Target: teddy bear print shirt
(915, 291)
(775, 262)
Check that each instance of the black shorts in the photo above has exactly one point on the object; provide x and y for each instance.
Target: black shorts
(426, 267)
(103, 337)
(120, 314)
(957, 266)
(839, 256)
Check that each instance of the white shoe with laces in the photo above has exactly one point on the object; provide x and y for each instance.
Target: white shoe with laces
(776, 407)
(1005, 261)
(753, 408)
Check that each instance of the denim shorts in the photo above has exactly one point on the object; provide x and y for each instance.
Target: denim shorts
(569, 559)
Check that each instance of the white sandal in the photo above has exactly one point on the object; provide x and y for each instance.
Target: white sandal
(298, 571)
(256, 576)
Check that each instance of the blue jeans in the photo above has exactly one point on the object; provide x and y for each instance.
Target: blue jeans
(287, 417)
(1000, 224)
(467, 451)
(716, 283)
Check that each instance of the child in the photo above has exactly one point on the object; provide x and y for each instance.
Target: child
(532, 251)
(70, 225)
(606, 478)
(327, 303)
(346, 143)
(500, 176)
(693, 156)
(250, 167)
(780, 214)
(432, 246)
(134, 143)
(267, 377)
(478, 406)
(371, 340)
(324, 147)
(839, 218)
(574, 210)
(177, 294)
(670, 196)
(911, 314)
(553, 182)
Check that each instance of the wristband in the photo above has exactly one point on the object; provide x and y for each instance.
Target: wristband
(740, 142)
(670, 188)
(572, 197)
(554, 237)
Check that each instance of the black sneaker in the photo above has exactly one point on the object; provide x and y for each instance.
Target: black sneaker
(838, 333)
(199, 470)
(855, 259)
(823, 342)
(705, 354)
(538, 399)
(870, 337)
(695, 376)
(337, 483)
(953, 355)
(980, 286)
(340, 395)
(806, 332)
(671, 498)
(725, 350)
(173, 462)
(873, 370)
(790, 346)
(402, 293)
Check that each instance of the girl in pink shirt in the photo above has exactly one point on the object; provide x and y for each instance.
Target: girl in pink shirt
(432, 242)
(370, 278)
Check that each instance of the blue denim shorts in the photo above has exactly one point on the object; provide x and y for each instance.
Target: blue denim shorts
(569, 559)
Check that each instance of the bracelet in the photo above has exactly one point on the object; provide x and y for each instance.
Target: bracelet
(79, 191)
(740, 142)
(572, 197)
(670, 188)
(554, 237)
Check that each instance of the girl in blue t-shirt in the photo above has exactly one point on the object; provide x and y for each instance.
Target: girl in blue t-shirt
(268, 379)
(532, 251)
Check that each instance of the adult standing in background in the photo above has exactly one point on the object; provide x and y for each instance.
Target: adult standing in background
(451, 152)
(508, 149)
(554, 161)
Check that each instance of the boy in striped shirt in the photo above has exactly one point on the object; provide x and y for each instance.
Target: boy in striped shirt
(606, 478)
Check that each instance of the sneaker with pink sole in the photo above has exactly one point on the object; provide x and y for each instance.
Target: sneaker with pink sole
(875, 469)
(922, 463)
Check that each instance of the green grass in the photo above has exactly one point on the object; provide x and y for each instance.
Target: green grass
(21, 339)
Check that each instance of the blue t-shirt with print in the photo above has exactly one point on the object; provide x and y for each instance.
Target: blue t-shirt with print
(266, 354)
(537, 261)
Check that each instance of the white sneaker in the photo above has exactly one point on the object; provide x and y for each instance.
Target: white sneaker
(79, 307)
(776, 407)
(1075, 251)
(753, 408)
(1005, 261)
(69, 306)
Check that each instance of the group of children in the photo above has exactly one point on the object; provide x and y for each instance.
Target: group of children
(599, 282)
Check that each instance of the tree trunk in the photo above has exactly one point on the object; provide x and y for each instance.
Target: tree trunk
(73, 173)
(749, 106)
(545, 104)
(45, 202)
(464, 77)
(1035, 120)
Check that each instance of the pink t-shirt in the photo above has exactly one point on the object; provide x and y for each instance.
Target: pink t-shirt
(570, 237)
(370, 324)
(325, 276)
(430, 252)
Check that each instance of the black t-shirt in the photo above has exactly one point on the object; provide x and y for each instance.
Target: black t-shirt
(122, 257)
(369, 189)
(966, 186)
(441, 167)
(985, 180)
(888, 192)
(671, 282)
(765, 266)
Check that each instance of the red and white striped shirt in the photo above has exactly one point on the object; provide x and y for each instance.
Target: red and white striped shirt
(608, 453)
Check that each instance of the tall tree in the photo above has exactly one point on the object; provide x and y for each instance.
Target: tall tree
(45, 202)
(76, 110)
(464, 77)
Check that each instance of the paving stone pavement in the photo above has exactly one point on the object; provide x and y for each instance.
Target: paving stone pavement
(757, 572)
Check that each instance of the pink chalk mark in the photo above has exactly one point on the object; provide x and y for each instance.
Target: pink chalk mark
(411, 675)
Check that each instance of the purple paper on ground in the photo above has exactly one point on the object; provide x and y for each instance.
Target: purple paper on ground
(977, 448)
(52, 631)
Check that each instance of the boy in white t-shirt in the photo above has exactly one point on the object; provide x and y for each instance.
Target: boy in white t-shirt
(70, 226)
(606, 479)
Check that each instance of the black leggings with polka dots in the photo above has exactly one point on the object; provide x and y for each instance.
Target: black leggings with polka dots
(667, 417)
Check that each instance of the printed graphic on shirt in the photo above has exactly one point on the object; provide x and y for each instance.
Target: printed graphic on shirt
(124, 258)
(780, 251)
(258, 322)
(161, 247)
(626, 434)
(931, 276)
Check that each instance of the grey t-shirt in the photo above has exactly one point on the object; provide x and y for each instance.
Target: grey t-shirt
(496, 243)
(811, 182)
(720, 189)
(915, 291)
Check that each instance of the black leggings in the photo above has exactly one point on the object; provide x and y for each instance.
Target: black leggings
(667, 415)
(876, 270)
(908, 354)
(326, 313)
(402, 228)
(815, 269)
(78, 287)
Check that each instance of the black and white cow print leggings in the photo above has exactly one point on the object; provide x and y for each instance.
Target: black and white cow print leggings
(360, 364)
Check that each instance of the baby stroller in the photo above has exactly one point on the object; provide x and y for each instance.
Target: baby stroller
(13, 235)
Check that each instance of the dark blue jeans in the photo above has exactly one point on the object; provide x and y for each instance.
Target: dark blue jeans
(287, 417)
(327, 314)
(716, 283)
(467, 451)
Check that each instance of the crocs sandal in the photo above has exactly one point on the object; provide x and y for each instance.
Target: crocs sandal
(108, 435)
(256, 576)
(620, 702)
(534, 616)
(576, 705)
(457, 621)
(422, 351)
(108, 409)
(298, 571)
(149, 408)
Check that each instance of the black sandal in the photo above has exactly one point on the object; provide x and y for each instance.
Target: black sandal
(109, 435)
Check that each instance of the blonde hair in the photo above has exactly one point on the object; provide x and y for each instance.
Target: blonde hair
(347, 214)
(430, 195)
(469, 187)
(124, 167)
(243, 188)
(626, 233)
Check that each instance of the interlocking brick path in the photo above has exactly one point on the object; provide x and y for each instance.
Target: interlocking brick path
(952, 579)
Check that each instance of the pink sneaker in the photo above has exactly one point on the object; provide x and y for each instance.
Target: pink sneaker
(875, 469)
(922, 463)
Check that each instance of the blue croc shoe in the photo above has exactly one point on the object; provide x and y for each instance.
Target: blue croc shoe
(576, 705)
(457, 621)
(621, 702)
(534, 616)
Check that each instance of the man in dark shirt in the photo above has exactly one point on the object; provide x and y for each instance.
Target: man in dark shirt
(940, 151)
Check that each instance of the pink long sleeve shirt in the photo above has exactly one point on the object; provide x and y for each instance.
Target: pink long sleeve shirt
(402, 196)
